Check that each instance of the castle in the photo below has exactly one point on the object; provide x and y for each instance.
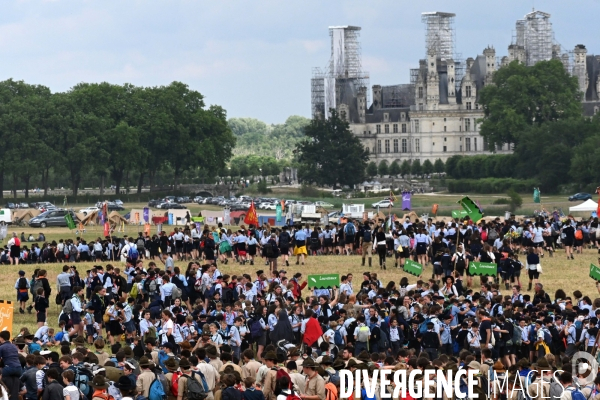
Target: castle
(436, 115)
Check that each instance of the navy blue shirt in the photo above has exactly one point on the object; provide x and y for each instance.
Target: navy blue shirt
(10, 355)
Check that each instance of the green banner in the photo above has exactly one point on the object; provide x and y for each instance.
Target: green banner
(278, 212)
(483, 269)
(197, 219)
(325, 281)
(412, 267)
(70, 222)
(471, 208)
(459, 214)
(536, 195)
(595, 272)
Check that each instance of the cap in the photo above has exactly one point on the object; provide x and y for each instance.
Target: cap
(22, 273)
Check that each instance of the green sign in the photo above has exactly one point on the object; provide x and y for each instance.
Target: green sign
(595, 272)
(197, 219)
(278, 212)
(325, 281)
(69, 220)
(483, 269)
(412, 267)
(471, 208)
(459, 214)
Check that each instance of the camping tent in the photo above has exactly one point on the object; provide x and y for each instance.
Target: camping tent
(89, 219)
(25, 214)
(587, 206)
(212, 217)
(116, 218)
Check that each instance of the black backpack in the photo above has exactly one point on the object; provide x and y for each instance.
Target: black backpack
(269, 250)
(284, 239)
(460, 261)
(367, 236)
(22, 283)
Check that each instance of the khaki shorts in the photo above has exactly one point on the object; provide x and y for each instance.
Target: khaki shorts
(367, 248)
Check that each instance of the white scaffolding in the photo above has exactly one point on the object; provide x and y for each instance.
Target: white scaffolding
(439, 36)
(534, 32)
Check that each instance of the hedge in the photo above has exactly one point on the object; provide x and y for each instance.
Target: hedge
(491, 185)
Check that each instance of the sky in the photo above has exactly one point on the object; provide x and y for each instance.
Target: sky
(253, 57)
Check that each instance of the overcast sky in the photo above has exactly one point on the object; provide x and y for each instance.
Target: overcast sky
(253, 57)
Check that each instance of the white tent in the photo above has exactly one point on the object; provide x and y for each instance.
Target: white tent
(588, 205)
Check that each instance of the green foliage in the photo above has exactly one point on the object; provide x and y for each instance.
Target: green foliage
(405, 168)
(244, 166)
(331, 154)
(371, 169)
(427, 167)
(515, 200)
(585, 163)
(439, 166)
(383, 168)
(491, 185)
(309, 191)
(527, 96)
(501, 200)
(262, 187)
(415, 167)
(394, 168)
(254, 137)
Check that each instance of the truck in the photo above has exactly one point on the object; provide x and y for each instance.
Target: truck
(307, 213)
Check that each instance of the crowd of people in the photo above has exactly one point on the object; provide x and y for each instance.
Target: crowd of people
(264, 336)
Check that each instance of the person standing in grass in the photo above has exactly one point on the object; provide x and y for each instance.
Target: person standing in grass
(22, 287)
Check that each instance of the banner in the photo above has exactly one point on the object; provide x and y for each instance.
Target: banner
(197, 219)
(106, 229)
(102, 217)
(412, 267)
(536, 195)
(147, 229)
(137, 218)
(595, 272)
(251, 217)
(483, 269)
(393, 197)
(434, 209)
(69, 220)
(6, 315)
(459, 214)
(278, 213)
(471, 208)
(598, 210)
(146, 214)
(227, 216)
(406, 201)
(326, 281)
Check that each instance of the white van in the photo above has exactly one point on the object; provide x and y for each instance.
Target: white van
(6, 215)
(337, 192)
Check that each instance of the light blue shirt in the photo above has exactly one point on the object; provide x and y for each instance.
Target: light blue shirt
(300, 236)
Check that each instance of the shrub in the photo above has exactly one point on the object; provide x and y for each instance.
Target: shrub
(309, 191)
(491, 185)
(501, 200)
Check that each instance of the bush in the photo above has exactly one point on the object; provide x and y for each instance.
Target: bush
(516, 201)
(502, 200)
(309, 191)
(491, 185)
(262, 188)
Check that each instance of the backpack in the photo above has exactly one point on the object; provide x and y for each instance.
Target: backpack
(73, 250)
(162, 357)
(230, 296)
(157, 390)
(151, 332)
(577, 395)
(22, 283)
(196, 391)
(423, 326)
(349, 229)
(269, 250)
(367, 236)
(198, 285)
(66, 248)
(517, 335)
(83, 377)
(134, 290)
(460, 261)
(293, 396)
(284, 239)
(547, 336)
(383, 340)
(492, 234)
(175, 383)
(579, 234)
(68, 307)
(37, 285)
(176, 293)
(280, 374)
(133, 253)
(113, 392)
(556, 390)
(140, 244)
(256, 329)
(363, 334)
(211, 292)
(484, 236)
(338, 339)
(152, 286)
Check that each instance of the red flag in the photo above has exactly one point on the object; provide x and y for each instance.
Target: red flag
(106, 228)
(251, 217)
(598, 210)
(434, 209)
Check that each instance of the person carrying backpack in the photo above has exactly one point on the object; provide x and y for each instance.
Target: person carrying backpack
(192, 384)
(22, 286)
(100, 385)
(366, 243)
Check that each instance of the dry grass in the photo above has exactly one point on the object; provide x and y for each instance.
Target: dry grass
(558, 273)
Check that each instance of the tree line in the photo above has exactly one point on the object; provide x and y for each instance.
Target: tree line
(412, 167)
(108, 130)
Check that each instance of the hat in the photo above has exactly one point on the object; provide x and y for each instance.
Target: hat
(184, 363)
(45, 352)
(98, 370)
(326, 360)
(29, 337)
(79, 340)
(19, 340)
(351, 363)
(309, 363)
(542, 363)
(100, 382)
(171, 364)
(474, 365)
(127, 350)
(185, 345)
(211, 351)
(364, 356)
(271, 356)
(22, 273)
(498, 366)
(339, 364)
(145, 362)
(124, 383)
(293, 352)
(167, 345)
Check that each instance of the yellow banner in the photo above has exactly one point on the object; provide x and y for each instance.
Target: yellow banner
(6, 315)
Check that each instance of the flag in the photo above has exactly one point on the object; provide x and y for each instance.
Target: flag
(406, 201)
(146, 214)
(471, 208)
(70, 221)
(536, 195)
(434, 209)
(393, 197)
(106, 229)
(278, 213)
(598, 210)
(251, 217)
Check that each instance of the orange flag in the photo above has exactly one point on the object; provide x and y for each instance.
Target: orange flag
(434, 209)
(251, 217)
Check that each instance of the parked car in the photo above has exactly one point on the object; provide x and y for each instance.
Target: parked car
(269, 206)
(580, 197)
(46, 206)
(51, 218)
(111, 206)
(23, 205)
(176, 206)
(323, 204)
(154, 203)
(239, 207)
(12, 206)
(88, 210)
(119, 202)
(383, 204)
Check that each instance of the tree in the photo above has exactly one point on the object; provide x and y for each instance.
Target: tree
(405, 168)
(372, 169)
(585, 163)
(427, 167)
(331, 154)
(415, 167)
(523, 96)
(451, 166)
(394, 168)
(515, 201)
(438, 166)
(383, 168)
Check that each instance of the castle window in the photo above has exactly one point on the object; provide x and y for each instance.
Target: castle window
(395, 128)
(404, 146)
(395, 145)
(379, 146)
(417, 145)
(474, 144)
(378, 128)
(467, 124)
(416, 125)
(420, 92)
(468, 144)
(403, 128)
(444, 129)
(387, 146)
(468, 105)
(386, 117)
(467, 91)
(402, 117)
(444, 149)
(387, 128)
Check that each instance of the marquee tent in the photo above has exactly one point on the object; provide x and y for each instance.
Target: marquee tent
(588, 205)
